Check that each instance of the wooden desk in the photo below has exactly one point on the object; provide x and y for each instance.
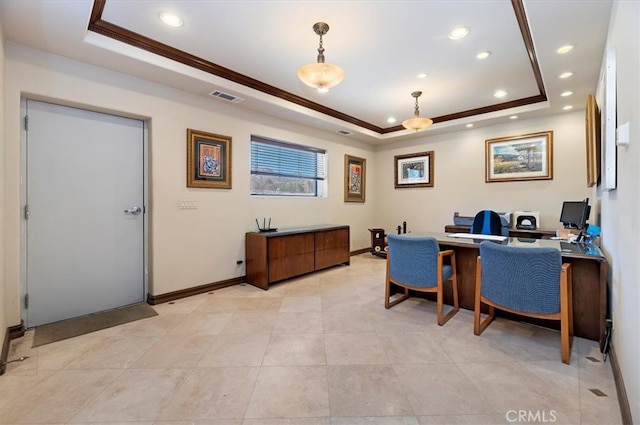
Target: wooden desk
(589, 281)
(514, 233)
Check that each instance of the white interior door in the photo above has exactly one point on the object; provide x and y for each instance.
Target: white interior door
(85, 239)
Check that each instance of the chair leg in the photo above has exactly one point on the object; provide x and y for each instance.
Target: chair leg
(387, 298)
(566, 316)
(444, 319)
(480, 326)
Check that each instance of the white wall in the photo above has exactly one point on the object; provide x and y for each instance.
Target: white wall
(459, 183)
(620, 227)
(188, 247)
(3, 310)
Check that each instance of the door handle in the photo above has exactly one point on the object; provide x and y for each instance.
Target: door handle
(134, 210)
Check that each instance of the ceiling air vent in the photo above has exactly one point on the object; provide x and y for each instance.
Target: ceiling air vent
(344, 132)
(226, 96)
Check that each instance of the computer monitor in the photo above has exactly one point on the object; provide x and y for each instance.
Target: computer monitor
(575, 214)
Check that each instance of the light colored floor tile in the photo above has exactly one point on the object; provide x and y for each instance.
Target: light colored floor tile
(546, 385)
(202, 324)
(113, 353)
(137, 395)
(290, 392)
(373, 420)
(58, 398)
(366, 390)
(235, 350)
(288, 421)
(346, 322)
(239, 305)
(175, 351)
(295, 350)
(212, 393)
(441, 389)
(250, 323)
(414, 347)
(303, 304)
(358, 348)
(298, 323)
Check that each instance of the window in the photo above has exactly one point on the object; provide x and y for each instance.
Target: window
(287, 169)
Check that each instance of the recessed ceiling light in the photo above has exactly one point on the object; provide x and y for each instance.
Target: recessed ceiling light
(568, 107)
(171, 19)
(513, 117)
(565, 75)
(566, 93)
(469, 125)
(391, 120)
(459, 33)
(500, 93)
(565, 49)
(483, 55)
(422, 75)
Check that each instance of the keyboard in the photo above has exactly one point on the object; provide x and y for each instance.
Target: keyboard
(477, 236)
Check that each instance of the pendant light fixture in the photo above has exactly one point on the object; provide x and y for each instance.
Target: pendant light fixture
(416, 123)
(320, 75)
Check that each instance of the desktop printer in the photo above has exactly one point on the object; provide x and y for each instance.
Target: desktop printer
(526, 220)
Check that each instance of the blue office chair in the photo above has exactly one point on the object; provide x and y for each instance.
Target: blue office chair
(488, 222)
(417, 264)
(527, 281)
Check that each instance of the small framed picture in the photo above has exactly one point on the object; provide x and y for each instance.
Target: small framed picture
(414, 170)
(518, 158)
(208, 160)
(355, 170)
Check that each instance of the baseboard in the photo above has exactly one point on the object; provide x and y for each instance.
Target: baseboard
(183, 293)
(12, 332)
(360, 251)
(623, 401)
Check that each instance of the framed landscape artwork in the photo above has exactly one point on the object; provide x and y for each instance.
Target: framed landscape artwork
(414, 170)
(518, 158)
(354, 178)
(208, 160)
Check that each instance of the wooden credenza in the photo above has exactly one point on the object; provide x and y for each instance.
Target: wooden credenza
(286, 253)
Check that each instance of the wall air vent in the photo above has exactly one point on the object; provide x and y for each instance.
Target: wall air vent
(344, 132)
(226, 96)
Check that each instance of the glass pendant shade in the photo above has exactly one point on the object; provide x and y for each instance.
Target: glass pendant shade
(417, 123)
(321, 75)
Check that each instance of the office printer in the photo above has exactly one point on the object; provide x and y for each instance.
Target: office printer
(526, 220)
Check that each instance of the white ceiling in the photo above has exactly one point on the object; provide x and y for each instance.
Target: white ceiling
(381, 45)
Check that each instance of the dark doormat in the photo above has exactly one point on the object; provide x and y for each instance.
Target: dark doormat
(69, 328)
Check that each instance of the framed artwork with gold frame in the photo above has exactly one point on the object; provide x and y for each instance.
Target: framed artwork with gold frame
(592, 131)
(355, 170)
(517, 158)
(208, 160)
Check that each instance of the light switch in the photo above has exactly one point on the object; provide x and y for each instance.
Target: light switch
(622, 136)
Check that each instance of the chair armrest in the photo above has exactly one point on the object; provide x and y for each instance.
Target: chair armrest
(446, 252)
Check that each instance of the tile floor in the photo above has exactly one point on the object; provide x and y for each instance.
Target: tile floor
(316, 350)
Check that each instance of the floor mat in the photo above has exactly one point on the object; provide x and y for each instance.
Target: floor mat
(69, 328)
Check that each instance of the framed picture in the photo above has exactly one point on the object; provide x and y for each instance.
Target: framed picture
(208, 160)
(592, 131)
(355, 170)
(413, 170)
(517, 158)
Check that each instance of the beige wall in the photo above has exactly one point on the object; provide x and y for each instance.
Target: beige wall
(3, 281)
(459, 181)
(187, 247)
(619, 208)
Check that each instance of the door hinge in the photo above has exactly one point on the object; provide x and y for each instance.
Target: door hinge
(26, 122)
(26, 212)
(26, 302)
